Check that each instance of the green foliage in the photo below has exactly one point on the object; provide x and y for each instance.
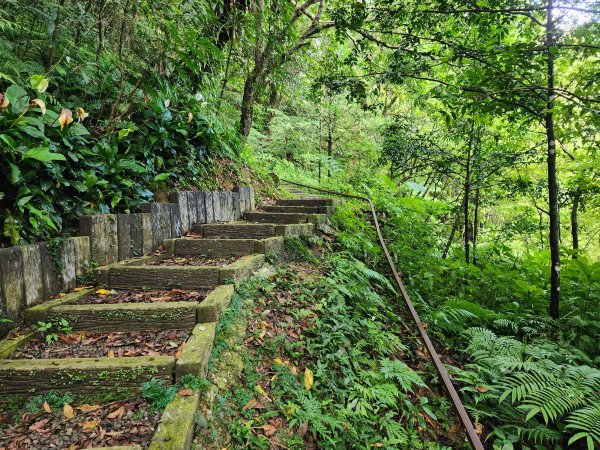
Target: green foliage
(51, 329)
(195, 383)
(158, 393)
(55, 400)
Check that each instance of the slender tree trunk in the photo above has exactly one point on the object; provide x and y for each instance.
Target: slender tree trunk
(466, 202)
(454, 229)
(329, 139)
(552, 181)
(476, 224)
(575, 222)
(54, 39)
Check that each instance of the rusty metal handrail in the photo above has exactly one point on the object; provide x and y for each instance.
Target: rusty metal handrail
(450, 390)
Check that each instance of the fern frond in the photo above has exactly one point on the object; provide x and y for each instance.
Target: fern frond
(587, 421)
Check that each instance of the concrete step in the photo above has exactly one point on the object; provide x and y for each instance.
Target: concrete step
(299, 209)
(305, 202)
(274, 217)
(235, 230)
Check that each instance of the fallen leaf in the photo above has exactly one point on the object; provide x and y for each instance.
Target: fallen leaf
(178, 354)
(111, 353)
(90, 425)
(88, 408)
(308, 379)
(186, 392)
(377, 445)
(39, 425)
(65, 117)
(481, 389)
(479, 428)
(250, 405)
(47, 408)
(116, 413)
(278, 361)
(81, 288)
(269, 430)
(68, 411)
(102, 291)
(173, 344)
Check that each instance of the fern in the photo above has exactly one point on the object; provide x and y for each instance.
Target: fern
(587, 421)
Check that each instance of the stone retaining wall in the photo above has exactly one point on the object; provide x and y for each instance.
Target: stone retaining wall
(30, 274)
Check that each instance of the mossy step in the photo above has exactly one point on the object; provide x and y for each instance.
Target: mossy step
(305, 202)
(219, 248)
(128, 316)
(32, 377)
(142, 276)
(298, 229)
(215, 302)
(299, 209)
(277, 218)
(40, 312)
(235, 230)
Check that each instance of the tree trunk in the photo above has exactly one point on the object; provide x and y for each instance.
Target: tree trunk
(329, 140)
(575, 222)
(454, 228)
(552, 181)
(467, 195)
(247, 106)
(476, 225)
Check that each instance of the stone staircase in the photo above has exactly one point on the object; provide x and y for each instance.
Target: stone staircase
(242, 246)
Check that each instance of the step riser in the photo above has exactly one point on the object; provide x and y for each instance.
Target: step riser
(278, 218)
(299, 209)
(305, 202)
(238, 231)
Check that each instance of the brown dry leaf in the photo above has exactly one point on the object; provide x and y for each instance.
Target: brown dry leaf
(90, 425)
(178, 291)
(47, 408)
(39, 425)
(114, 433)
(481, 389)
(88, 408)
(250, 405)
(73, 447)
(178, 354)
(186, 392)
(65, 117)
(377, 445)
(111, 353)
(269, 430)
(68, 411)
(479, 428)
(116, 413)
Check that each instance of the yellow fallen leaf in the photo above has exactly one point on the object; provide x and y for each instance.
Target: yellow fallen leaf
(88, 408)
(190, 117)
(81, 114)
(479, 428)
(111, 353)
(62, 294)
(102, 292)
(65, 117)
(81, 288)
(278, 361)
(116, 413)
(47, 408)
(90, 425)
(68, 411)
(308, 379)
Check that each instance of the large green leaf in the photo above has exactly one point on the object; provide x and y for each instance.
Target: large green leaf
(43, 154)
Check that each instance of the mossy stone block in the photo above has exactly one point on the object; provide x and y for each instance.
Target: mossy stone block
(195, 354)
(9, 346)
(211, 308)
(175, 430)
